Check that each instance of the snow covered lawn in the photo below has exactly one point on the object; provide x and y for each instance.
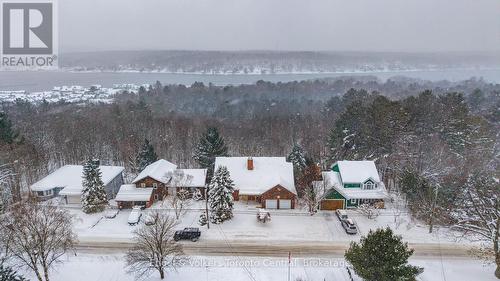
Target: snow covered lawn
(286, 225)
(111, 268)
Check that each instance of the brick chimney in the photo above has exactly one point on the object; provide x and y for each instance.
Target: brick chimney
(250, 163)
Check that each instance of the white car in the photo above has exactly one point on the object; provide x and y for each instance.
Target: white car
(341, 214)
(111, 213)
(135, 215)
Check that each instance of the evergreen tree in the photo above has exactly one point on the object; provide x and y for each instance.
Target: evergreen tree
(93, 193)
(297, 158)
(220, 196)
(8, 274)
(211, 145)
(146, 156)
(382, 256)
(7, 133)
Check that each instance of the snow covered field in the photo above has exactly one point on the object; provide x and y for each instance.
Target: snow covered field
(84, 267)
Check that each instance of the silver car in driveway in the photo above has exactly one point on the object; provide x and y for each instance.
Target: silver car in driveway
(350, 226)
(135, 216)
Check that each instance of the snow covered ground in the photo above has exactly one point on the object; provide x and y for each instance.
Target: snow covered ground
(286, 225)
(85, 267)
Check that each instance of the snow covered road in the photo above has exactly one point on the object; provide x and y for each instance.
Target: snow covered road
(269, 249)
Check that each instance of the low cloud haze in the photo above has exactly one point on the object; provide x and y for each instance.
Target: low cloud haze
(354, 25)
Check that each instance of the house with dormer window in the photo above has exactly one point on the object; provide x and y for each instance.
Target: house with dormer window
(350, 184)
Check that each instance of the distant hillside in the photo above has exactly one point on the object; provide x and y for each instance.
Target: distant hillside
(259, 62)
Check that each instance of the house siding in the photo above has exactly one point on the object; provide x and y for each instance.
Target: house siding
(278, 192)
(161, 191)
(334, 194)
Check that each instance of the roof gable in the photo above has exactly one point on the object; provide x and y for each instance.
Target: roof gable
(157, 171)
(357, 171)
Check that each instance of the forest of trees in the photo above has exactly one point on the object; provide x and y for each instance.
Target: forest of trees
(344, 118)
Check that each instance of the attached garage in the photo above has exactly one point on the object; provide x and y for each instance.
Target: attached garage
(278, 197)
(332, 204)
(271, 204)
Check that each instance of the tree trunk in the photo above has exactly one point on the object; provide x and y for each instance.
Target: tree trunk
(162, 274)
(37, 273)
(497, 271)
(46, 273)
(496, 249)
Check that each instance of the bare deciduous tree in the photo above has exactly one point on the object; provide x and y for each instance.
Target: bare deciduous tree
(39, 236)
(478, 215)
(179, 201)
(312, 191)
(155, 248)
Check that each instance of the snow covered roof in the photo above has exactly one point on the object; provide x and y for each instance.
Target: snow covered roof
(357, 171)
(70, 178)
(267, 173)
(331, 179)
(129, 192)
(157, 171)
(193, 177)
(359, 193)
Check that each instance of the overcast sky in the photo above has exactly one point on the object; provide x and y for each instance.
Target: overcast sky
(358, 25)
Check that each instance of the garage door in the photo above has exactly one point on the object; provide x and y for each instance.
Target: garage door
(332, 204)
(285, 204)
(271, 204)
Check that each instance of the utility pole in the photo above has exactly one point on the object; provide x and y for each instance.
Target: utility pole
(206, 207)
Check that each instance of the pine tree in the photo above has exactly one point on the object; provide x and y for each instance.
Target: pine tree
(8, 274)
(146, 156)
(7, 133)
(220, 196)
(382, 256)
(297, 158)
(211, 145)
(93, 193)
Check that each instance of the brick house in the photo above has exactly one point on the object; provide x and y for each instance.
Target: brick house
(158, 180)
(154, 179)
(268, 181)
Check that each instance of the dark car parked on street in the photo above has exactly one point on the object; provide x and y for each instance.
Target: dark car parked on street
(188, 233)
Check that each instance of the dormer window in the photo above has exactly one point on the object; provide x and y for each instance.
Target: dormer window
(369, 185)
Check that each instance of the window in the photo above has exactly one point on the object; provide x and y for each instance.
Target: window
(369, 185)
(143, 184)
(155, 185)
(353, 201)
(44, 193)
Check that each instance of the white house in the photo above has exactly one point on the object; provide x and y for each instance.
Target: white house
(352, 183)
(67, 183)
(265, 180)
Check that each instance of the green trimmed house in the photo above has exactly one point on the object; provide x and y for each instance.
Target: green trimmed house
(352, 183)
